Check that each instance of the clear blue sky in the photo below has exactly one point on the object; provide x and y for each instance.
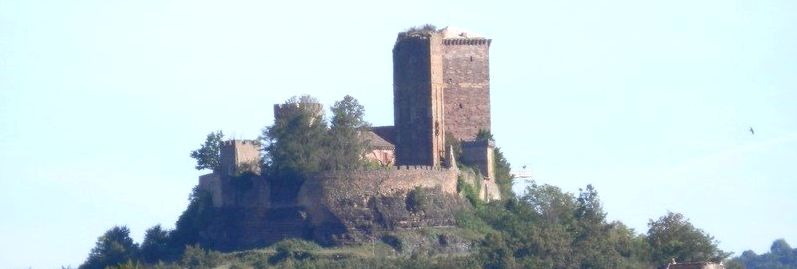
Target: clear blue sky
(650, 101)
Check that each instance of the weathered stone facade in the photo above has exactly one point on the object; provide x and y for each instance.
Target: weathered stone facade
(418, 99)
(352, 204)
(335, 207)
(314, 109)
(239, 156)
(486, 187)
(466, 72)
(441, 84)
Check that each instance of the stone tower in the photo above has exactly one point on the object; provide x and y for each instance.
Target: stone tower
(418, 109)
(238, 156)
(441, 84)
(466, 72)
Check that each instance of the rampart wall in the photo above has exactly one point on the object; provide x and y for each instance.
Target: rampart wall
(315, 109)
(345, 205)
(480, 153)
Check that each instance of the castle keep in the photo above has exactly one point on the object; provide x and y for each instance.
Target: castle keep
(441, 90)
(441, 85)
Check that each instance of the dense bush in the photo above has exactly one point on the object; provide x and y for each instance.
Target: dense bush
(548, 228)
(295, 249)
(418, 200)
(112, 248)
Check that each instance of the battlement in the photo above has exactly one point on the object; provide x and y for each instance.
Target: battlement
(467, 41)
(387, 181)
(395, 168)
(240, 142)
(478, 143)
(238, 156)
(414, 35)
(315, 109)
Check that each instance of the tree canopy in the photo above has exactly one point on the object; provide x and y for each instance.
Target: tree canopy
(780, 256)
(549, 228)
(300, 141)
(295, 143)
(346, 146)
(208, 156)
(673, 237)
(112, 248)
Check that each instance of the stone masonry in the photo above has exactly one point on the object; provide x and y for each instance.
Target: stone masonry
(418, 99)
(466, 72)
(441, 84)
(238, 156)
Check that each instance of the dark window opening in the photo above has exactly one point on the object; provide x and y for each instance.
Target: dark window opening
(460, 106)
(471, 58)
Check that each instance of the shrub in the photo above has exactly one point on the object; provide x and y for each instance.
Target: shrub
(293, 249)
(418, 200)
(197, 258)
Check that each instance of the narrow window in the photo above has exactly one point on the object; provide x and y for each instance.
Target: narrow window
(471, 58)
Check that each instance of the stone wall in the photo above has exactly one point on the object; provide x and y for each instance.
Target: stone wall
(347, 206)
(315, 109)
(480, 154)
(245, 191)
(440, 85)
(487, 189)
(239, 156)
(466, 71)
(418, 99)
(336, 207)
(211, 183)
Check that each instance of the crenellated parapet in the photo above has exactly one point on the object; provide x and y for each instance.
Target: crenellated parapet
(240, 156)
(240, 142)
(467, 41)
(314, 109)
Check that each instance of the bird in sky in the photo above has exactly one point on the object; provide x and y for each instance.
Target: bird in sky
(752, 132)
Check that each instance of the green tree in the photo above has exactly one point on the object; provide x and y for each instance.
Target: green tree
(130, 264)
(295, 144)
(112, 248)
(156, 245)
(780, 256)
(346, 148)
(195, 257)
(196, 218)
(548, 228)
(496, 253)
(672, 236)
(780, 248)
(208, 156)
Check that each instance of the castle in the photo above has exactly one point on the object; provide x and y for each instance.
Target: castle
(441, 90)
